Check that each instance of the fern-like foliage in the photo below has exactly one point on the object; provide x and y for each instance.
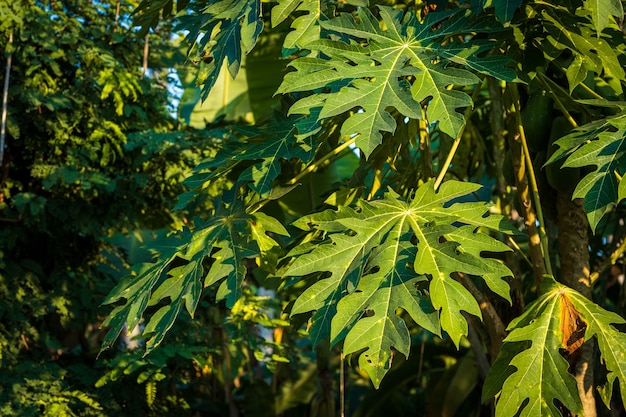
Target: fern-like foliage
(262, 149)
(398, 63)
(188, 262)
(220, 34)
(530, 373)
(393, 254)
(602, 145)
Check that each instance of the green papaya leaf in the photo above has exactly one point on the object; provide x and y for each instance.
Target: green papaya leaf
(601, 145)
(179, 275)
(530, 373)
(393, 254)
(239, 23)
(534, 375)
(602, 11)
(397, 63)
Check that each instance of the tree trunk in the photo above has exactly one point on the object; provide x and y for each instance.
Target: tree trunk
(574, 260)
(5, 100)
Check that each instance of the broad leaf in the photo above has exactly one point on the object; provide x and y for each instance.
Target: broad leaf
(226, 30)
(601, 145)
(181, 272)
(394, 254)
(306, 28)
(537, 372)
(602, 10)
(262, 148)
(271, 145)
(403, 63)
(600, 324)
(504, 9)
(575, 34)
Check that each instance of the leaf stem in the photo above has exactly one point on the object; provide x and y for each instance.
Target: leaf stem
(531, 176)
(560, 105)
(584, 86)
(617, 253)
(314, 165)
(457, 140)
(558, 101)
(309, 169)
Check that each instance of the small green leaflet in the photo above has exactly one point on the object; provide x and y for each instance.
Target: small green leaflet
(181, 272)
(240, 24)
(602, 10)
(600, 144)
(394, 254)
(400, 66)
(530, 365)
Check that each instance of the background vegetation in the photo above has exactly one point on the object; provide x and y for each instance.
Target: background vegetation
(351, 208)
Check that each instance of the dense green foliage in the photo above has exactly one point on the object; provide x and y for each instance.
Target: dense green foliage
(410, 208)
(91, 155)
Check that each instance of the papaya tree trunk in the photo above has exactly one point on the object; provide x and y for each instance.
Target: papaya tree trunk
(524, 193)
(574, 259)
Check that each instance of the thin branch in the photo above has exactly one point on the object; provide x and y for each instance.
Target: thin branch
(457, 140)
(607, 264)
(117, 14)
(515, 107)
(313, 166)
(7, 220)
(146, 49)
(5, 99)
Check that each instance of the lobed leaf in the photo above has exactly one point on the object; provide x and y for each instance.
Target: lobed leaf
(398, 63)
(602, 146)
(534, 373)
(612, 342)
(188, 262)
(239, 23)
(394, 255)
(602, 10)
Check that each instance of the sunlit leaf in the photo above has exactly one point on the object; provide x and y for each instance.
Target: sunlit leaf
(404, 62)
(602, 146)
(376, 268)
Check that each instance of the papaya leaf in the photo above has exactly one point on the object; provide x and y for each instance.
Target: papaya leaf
(602, 145)
(271, 145)
(534, 375)
(602, 10)
(403, 63)
(188, 262)
(383, 294)
(612, 342)
(393, 254)
(239, 23)
(264, 148)
(504, 9)
(575, 34)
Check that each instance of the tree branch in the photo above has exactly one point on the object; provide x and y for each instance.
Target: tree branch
(5, 99)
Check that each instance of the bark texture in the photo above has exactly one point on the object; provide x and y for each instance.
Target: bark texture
(574, 259)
